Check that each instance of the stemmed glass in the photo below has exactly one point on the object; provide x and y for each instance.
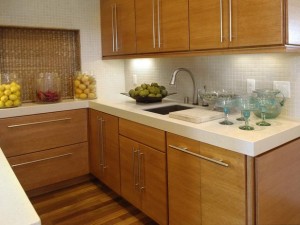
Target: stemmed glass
(226, 103)
(262, 103)
(246, 104)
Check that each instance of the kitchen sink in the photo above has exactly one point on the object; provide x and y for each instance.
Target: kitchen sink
(164, 110)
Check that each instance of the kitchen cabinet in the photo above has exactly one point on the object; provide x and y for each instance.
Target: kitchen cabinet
(277, 185)
(143, 170)
(161, 25)
(118, 27)
(206, 183)
(47, 148)
(104, 148)
(236, 23)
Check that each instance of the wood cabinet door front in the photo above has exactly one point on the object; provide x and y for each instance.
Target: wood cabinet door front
(129, 171)
(223, 190)
(208, 24)
(118, 27)
(153, 183)
(257, 23)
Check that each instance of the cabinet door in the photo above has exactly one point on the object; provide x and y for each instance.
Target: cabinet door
(129, 171)
(104, 149)
(223, 190)
(117, 27)
(162, 25)
(208, 24)
(153, 183)
(183, 182)
(146, 26)
(174, 25)
(47, 167)
(257, 23)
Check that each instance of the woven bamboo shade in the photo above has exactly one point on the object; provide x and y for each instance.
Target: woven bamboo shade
(31, 51)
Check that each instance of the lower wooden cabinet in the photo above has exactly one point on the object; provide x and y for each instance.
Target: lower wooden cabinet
(207, 184)
(47, 167)
(104, 148)
(143, 178)
(277, 185)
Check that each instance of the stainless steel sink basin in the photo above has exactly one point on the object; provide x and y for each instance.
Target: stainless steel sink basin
(164, 110)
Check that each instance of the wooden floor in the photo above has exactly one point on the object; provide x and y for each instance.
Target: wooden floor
(88, 203)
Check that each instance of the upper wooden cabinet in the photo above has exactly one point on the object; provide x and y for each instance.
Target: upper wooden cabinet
(235, 23)
(162, 25)
(118, 27)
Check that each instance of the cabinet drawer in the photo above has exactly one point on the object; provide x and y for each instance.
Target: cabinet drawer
(25, 134)
(51, 166)
(150, 136)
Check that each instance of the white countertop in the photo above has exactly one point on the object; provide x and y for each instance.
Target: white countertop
(15, 207)
(251, 143)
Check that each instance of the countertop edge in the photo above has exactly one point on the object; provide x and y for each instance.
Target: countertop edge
(14, 205)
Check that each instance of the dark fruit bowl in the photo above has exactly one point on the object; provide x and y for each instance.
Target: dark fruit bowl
(147, 99)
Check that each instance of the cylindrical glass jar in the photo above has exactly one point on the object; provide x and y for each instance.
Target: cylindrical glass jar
(48, 88)
(10, 90)
(84, 86)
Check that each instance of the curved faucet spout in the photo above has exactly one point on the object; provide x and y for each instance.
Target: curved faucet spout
(173, 82)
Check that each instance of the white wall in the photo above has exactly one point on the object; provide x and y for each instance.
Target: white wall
(70, 14)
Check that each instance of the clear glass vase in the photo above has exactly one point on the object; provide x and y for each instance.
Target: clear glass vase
(10, 90)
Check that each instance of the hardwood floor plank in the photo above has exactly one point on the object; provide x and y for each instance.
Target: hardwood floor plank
(88, 203)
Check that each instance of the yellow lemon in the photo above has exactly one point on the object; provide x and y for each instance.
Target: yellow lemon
(76, 83)
(86, 91)
(2, 87)
(82, 86)
(12, 97)
(4, 98)
(78, 91)
(9, 103)
(1, 93)
(83, 96)
(1, 104)
(13, 89)
(7, 87)
(91, 96)
(18, 93)
(7, 92)
(17, 102)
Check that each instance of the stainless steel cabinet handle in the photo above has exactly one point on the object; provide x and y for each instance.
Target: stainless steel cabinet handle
(221, 20)
(116, 29)
(40, 122)
(153, 24)
(101, 139)
(158, 23)
(135, 182)
(41, 160)
(218, 161)
(141, 175)
(230, 21)
(113, 27)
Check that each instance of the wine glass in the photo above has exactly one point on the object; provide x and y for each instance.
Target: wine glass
(225, 103)
(262, 104)
(246, 104)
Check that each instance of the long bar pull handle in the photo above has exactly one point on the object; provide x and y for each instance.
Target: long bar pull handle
(158, 23)
(141, 172)
(135, 182)
(41, 160)
(101, 138)
(230, 20)
(40, 122)
(221, 20)
(116, 28)
(153, 24)
(113, 27)
(218, 161)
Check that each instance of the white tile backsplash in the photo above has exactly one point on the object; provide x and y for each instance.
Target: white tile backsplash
(225, 72)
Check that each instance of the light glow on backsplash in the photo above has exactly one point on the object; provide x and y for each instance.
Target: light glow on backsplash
(142, 64)
(224, 72)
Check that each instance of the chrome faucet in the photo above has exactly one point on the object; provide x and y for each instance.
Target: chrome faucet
(173, 81)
